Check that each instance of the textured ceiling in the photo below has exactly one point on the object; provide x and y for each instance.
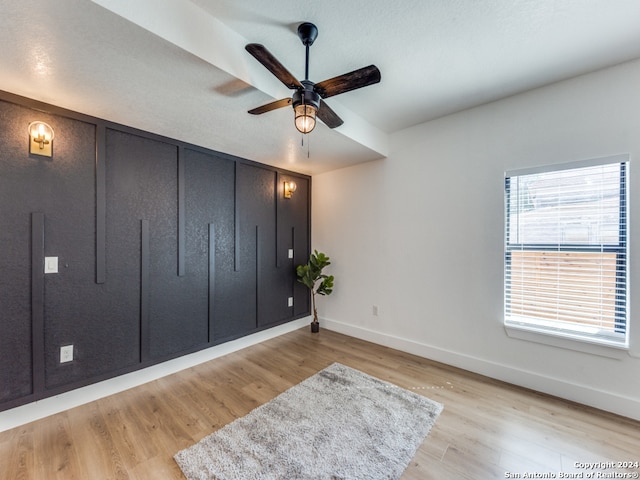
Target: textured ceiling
(178, 67)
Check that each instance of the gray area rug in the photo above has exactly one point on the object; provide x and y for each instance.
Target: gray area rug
(338, 424)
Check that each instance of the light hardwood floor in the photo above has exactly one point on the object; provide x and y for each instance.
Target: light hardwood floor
(488, 429)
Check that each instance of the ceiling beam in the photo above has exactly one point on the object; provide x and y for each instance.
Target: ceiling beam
(194, 30)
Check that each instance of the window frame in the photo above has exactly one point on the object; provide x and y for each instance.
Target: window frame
(555, 335)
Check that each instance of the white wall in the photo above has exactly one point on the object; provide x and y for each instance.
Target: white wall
(420, 235)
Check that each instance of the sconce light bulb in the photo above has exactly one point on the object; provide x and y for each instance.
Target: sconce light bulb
(289, 188)
(41, 134)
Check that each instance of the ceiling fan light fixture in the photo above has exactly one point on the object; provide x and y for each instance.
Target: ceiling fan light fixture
(305, 105)
(305, 117)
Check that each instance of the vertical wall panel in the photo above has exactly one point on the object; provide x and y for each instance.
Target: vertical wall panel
(181, 212)
(210, 241)
(37, 301)
(260, 288)
(256, 208)
(212, 279)
(236, 219)
(17, 171)
(145, 292)
(146, 172)
(101, 204)
(63, 189)
(77, 309)
(293, 232)
(235, 289)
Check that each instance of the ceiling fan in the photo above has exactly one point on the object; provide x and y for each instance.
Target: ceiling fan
(308, 98)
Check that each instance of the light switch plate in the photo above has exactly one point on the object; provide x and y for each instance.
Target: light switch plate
(66, 353)
(291, 253)
(50, 264)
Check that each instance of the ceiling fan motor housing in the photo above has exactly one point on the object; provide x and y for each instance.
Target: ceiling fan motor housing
(306, 96)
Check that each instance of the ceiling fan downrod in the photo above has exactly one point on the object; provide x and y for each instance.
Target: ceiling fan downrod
(307, 32)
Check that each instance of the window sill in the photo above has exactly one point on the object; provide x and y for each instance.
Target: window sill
(603, 349)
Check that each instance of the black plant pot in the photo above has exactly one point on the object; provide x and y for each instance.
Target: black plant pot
(315, 327)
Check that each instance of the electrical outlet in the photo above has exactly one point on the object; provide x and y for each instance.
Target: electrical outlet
(374, 310)
(290, 302)
(291, 253)
(66, 354)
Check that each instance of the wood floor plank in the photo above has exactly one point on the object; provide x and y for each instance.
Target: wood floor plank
(487, 429)
(93, 444)
(17, 453)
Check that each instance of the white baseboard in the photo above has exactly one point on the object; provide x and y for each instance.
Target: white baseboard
(627, 407)
(49, 406)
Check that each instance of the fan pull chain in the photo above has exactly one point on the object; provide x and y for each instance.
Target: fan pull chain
(302, 135)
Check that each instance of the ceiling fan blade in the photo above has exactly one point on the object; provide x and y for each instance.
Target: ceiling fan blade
(267, 107)
(328, 116)
(272, 64)
(349, 81)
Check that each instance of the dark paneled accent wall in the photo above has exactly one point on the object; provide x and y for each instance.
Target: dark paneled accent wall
(163, 249)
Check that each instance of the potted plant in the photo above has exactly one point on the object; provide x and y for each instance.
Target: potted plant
(312, 277)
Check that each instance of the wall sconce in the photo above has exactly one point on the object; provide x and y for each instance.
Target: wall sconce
(289, 188)
(40, 139)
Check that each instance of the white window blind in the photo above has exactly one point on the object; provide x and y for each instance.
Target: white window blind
(566, 250)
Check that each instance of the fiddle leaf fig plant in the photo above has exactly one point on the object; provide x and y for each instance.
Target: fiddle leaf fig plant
(312, 277)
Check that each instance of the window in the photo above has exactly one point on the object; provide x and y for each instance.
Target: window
(566, 250)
